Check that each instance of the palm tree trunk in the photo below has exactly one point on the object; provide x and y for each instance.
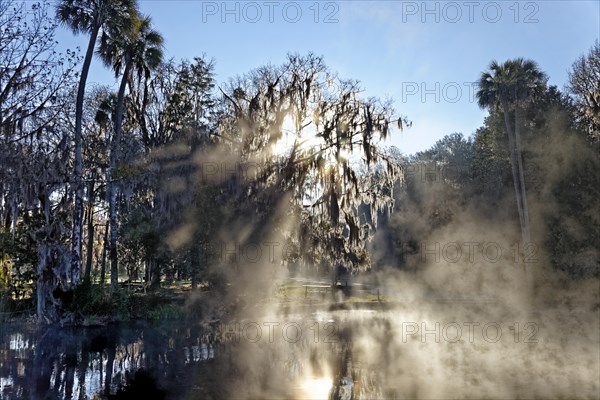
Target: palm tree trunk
(90, 232)
(140, 110)
(513, 163)
(526, 231)
(78, 209)
(116, 142)
(518, 181)
(112, 205)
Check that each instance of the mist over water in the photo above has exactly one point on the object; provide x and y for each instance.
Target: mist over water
(456, 318)
(431, 344)
(458, 322)
(462, 324)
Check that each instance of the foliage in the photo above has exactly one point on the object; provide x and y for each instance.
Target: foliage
(300, 124)
(94, 300)
(89, 17)
(33, 76)
(165, 312)
(19, 258)
(584, 84)
(36, 85)
(298, 157)
(457, 175)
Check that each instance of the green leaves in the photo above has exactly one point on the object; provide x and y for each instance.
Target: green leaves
(513, 81)
(133, 41)
(83, 16)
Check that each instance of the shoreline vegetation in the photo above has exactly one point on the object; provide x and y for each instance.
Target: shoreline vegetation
(177, 177)
(177, 301)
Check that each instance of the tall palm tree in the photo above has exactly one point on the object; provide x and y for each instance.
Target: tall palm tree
(134, 50)
(507, 87)
(105, 115)
(88, 17)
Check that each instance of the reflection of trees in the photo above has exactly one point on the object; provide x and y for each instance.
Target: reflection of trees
(79, 363)
(111, 353)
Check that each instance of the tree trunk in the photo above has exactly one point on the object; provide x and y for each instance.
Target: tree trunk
(194, 265)
(519, 156)
(78, 188)
(42, 287)
(90, 232)
(46, 307)
(114, 158)
(154, 275)
(114, 268)
(45, 282)
(140, 110)
(104, 250)
(514, 163)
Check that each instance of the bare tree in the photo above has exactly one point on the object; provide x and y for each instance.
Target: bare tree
(35, 85)
(584, 84)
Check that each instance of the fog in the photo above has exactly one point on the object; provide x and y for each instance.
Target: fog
(459, 322)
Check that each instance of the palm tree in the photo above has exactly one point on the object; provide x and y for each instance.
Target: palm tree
(507, 87)
(137, 49)
(88, 17)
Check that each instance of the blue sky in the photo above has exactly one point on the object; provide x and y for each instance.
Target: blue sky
(425, 55)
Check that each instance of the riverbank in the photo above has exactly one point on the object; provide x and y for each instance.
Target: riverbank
(97, 305)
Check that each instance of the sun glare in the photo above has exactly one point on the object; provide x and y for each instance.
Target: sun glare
(306, 138)
(315, 388)
(283, 145)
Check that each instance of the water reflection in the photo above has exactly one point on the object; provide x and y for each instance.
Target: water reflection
(172, 360)
(346, 355)
(80, 363)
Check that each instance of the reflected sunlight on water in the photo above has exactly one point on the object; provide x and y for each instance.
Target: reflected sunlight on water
(314, 388)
